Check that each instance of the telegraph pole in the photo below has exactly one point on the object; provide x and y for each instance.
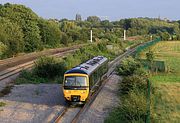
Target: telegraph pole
(124, 35)
(91, 35)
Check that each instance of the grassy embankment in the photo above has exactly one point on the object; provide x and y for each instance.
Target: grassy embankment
(167, 100)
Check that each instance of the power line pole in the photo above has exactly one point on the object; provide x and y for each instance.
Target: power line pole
(91, 35)
(124, 35)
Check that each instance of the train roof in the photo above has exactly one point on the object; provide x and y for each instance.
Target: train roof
(89, 66)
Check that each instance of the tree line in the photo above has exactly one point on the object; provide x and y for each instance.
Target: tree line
(22, 30)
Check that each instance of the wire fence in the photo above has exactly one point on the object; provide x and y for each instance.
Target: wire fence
(161, 67)
(146, 45)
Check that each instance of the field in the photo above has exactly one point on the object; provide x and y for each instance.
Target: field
(167, 99)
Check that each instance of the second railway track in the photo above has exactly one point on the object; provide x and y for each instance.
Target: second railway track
(15, 69)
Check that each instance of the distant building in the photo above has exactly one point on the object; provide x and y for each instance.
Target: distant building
(78, 17)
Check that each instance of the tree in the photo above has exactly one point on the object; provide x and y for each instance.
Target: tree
(94, 19)
(65, 26)
(50, 33)
(64, 39)
(150, 58)
(11, 36)
(128, 66)
(27, 20)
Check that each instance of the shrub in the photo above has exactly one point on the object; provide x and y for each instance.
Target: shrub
(49, 67)
(131, 110)
(141, 72)
(131, 82)
(29, 77)
(128, 66)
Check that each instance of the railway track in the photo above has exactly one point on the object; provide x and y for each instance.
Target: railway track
(64, 113)
(10, 71)
(11, 62)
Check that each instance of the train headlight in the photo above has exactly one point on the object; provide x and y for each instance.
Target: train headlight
(82, 92)
(67, 91)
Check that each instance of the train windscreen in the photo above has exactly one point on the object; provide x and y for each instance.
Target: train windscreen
(75, 81)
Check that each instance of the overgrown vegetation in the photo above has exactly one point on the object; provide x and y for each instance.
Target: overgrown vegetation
(50, 69)
(22, 30)
(132, 93)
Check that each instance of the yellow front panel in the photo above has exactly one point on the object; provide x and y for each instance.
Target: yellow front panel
(82, 93)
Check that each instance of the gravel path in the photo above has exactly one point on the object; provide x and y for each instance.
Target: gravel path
(32, 104)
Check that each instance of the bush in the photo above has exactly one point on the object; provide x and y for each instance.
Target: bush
(141, 72)
(128, 66)
(29, 77)
(133, 92)
(49, 67)
(131, 82)
(134, 106)
(131, 110)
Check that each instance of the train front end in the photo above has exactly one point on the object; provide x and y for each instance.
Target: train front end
(75, 87)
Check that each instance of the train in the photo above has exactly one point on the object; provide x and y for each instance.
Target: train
(83, 80)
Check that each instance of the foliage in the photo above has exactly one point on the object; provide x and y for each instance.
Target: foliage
(30, 78)
(133, 92)
(49, 67)
(11, 36)
(3, 50)
(128, 66)
(50, 33)
(27, 20)
(131, 110)
(93, 19)
(131, 82)
(150, 56)
(32, 33)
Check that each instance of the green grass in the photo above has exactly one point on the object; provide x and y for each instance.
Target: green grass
(167, 101)
(165, 78)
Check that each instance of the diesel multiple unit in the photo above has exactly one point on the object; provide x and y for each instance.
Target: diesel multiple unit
(82, 80)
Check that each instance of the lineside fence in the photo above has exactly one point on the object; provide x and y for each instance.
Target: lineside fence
(146, 45)
(136, 55)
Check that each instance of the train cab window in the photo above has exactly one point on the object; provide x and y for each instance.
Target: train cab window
(75, 81)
